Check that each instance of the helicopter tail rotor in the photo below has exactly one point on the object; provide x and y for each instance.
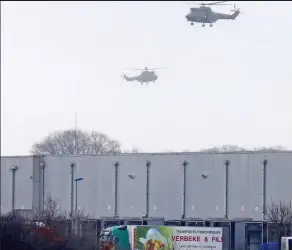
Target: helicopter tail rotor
(236, 10)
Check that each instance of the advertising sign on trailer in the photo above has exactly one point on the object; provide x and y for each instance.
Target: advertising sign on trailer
(172, 238)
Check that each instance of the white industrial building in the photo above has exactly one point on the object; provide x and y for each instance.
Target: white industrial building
(168, 185)
(226, 190)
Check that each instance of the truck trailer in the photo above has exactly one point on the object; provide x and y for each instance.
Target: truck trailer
(161, 238)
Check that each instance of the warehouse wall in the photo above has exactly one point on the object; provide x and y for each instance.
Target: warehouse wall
(205, 180)
(23, 183)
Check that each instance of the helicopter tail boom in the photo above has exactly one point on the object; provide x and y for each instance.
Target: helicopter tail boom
(235, 14)
(229, 17)
(128, 79)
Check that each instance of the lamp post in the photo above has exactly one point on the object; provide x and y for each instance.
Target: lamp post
(76, 193)
(13, 169)
(76, 205)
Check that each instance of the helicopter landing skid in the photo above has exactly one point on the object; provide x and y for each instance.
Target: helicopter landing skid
(211, 25)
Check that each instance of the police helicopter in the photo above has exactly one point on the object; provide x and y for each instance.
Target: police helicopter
(146, 76)
(204, 14)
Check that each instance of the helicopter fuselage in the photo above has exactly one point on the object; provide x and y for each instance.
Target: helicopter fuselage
(144, 77)
(208, 16)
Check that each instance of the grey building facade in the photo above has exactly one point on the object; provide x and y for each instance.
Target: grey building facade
(171, 185)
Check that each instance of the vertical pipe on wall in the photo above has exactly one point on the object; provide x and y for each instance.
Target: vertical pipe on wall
(76, 199)
(13, 169)
(37, 185)
(227, 162)
(185, 163)
(0, 190)
(264, 202)
(72, 190)
(116, 190)
(43, 165)
(148, 164)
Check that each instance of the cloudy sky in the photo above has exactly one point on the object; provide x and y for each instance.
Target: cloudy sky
(230, 84)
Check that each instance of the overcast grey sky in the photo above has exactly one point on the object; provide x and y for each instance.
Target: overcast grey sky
(230, 84)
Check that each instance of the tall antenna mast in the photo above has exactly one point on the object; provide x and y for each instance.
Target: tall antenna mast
(76, 139)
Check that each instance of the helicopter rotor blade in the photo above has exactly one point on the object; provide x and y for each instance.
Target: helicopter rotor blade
(219, 2)
(135, 69)
(144, 69)
(155, 68)
(212, 4)
(207, 4)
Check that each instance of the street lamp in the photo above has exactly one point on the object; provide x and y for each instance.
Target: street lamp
(76, 194)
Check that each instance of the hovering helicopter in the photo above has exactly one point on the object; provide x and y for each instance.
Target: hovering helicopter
(146, 76)
(204, 14)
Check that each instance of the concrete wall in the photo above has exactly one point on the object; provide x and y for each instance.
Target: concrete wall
(205, 180)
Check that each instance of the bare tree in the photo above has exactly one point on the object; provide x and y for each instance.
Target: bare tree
(235, 148)
(62, 228)
(48, 230)
(69, 142)
(224, 148)
(133, 151)
(271, 149)
(51, 213)
(280, 217)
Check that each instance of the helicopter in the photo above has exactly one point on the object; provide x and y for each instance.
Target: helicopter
(204, 14)
(146, 76)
